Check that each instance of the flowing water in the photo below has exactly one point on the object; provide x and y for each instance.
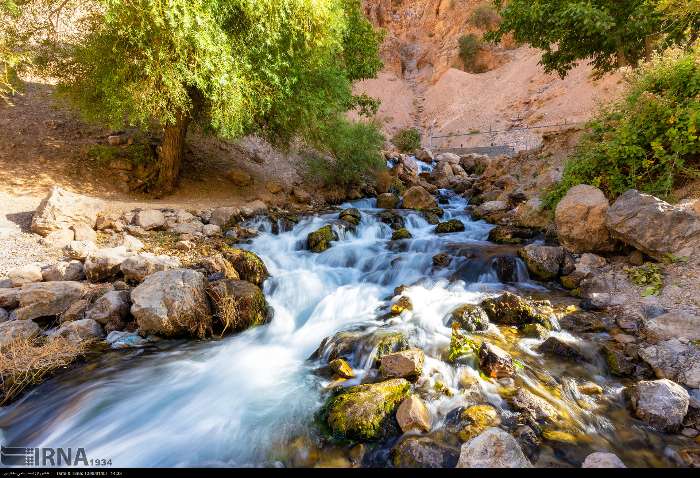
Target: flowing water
(242, 400)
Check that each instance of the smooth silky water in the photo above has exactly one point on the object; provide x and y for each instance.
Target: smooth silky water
(242, 400)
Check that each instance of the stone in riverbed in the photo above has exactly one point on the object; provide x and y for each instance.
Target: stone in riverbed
(249, 266)
(238, 304)
(25, 275)
(150, 219)
(17, 329)
(447, 227)
(441, 260)
(417, 197)
(676, 359)
(401, 234)
(172, 303)
(341, 368)
(392, 219)
(558, 347)
(510, 234)
(405, 364)
(471, 421)
(544, 262)
(412, 414)
(351, 215)
(495, 362)
(511, 309)
(320, 240)
(387, 201)
(111, 310)
(470, 317)
(602, 460)
(80, 330)
(401, 304)
(423, 452)
(494, 448)
(9, 298)
(677, 323)
(660, 403)
(4, 315)
(76, 311)
(536, 407)
(83, 232)
(366, 412)
(47, 299)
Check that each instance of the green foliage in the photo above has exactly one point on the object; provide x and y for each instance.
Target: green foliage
(365, 105)
(347, 153)
(469, 46)
(648, 276)
(485, 16)
(648, 140)
(609, 33)
(136, 154)
(407, 140)
(461, 345)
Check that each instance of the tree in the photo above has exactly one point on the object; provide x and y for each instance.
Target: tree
(273, 67)
(610, 33)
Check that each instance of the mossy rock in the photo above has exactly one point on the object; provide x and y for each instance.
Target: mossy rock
(341, 368)
(404, 303)
(366, 412)
(401, 234)
(470, 317)
(535, 331)
(351, 215)
(510, 234)
(390, 343)
(320, 240)
(511, 309)
(238, 304)
(248, 265)
(431, 217)
(393, 219)
(453, 225)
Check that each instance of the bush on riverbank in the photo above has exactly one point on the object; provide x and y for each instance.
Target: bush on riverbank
(347, 153)
(649, 139)
(407, 140)
(26, 362)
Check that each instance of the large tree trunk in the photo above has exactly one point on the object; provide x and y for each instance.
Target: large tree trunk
(170, 155)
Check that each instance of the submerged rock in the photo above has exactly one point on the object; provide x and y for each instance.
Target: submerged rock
(470, 317)
(453, 225)
(423, 452)
(401, 234)
(320, 240)
(558, 347)
(366, 412)
(471, 421)
(661, 403)
(602, 460)
(536, 407)
(494, 448)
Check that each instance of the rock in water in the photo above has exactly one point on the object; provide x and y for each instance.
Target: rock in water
(320, 240)
(248, 265)
(387, 201)
(423, 452)
(404, 364)
(351, 215)
(239, 304)
(494, 448)
(172, 303)
(61, 209)
(401, 234)
(510, 309)
(653, 226)
(341, 368)
(677, 359)
(366, 412)
(413, 414)
(470, 317)
(80, 330)
(580, 220)
(417, 197)
(495, 362)
(661, 403)
(453, 225)
(602, 460)
(555, 346)
(544, 262)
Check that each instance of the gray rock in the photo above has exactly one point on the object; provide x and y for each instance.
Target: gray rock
(674, 324)
(653, 226)
(63, 271)
(126, 340)
(661, 403)
(602, 460)
(494, 448)
(104, 264)
(79, 250)
(47, 299)
(423, 452)
(254, 208)
(76, 311)
(172, 303)
(17, 329)
(675, 359)
(61, 209)
(137, 268)
(149, 219)
(210, 230)
(221, 216)
(536, 407)
(25, 275)
(4, 315)
(83, 232)
(9, 298)
(544, 262)
(80, 330)
(193, 228)
(111, 309)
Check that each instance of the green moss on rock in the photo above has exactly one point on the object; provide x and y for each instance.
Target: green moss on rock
(511, 309)
(470, 317)
(453, 225)
(250, 266)
(320, 240)
(401, 234)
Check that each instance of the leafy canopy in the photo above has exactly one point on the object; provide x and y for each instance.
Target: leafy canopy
(609, 33)
(649, 139)
(275, 67)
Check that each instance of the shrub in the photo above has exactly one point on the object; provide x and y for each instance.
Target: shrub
(407, 140)
(346, 153)
(485, 16)
(469, 47)
(26, 362)
(648, 140)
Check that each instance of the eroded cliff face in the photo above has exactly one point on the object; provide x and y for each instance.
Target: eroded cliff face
(424, 85)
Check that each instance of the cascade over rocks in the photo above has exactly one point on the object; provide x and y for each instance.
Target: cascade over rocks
(653, 226)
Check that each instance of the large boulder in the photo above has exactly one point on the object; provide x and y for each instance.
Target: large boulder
(17, 330)
(9, 298)
(470, 317)
(661, 403)
(172, 303)
(366, 412)
(46, 299)
(238, 304)
(62, 209)
(417, 197)
(111, 310)
(387, 201)
(580, 220)
(248, 265)
(544, 262)
(654, 226)
(223, 216)
(494, 448)
(423, 452)
(511, 309)
(104, 264)
(676, 359)
(674, 324)
(404, 364)
(137, 268)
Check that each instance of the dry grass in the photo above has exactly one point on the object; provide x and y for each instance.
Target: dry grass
(227, 308)
(27, 362)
